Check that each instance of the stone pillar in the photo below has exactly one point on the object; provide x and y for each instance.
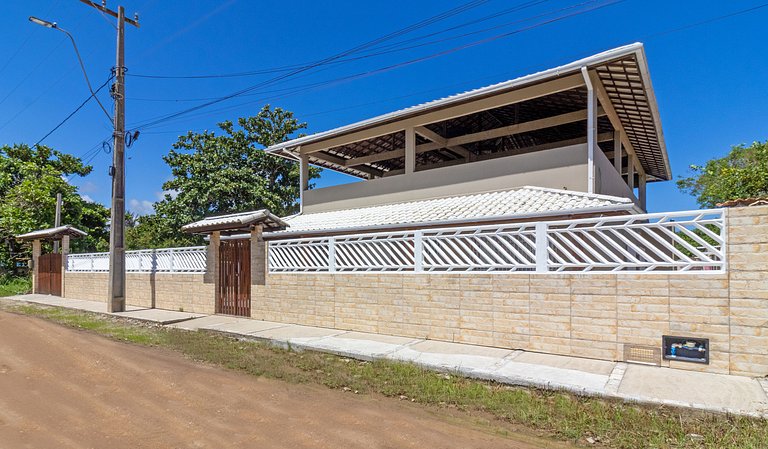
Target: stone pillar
(211, 275)
(64, 254)
(258, 257)
(36, 250)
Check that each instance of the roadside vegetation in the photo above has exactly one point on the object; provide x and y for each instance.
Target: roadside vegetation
(591, 422)
(10, 286)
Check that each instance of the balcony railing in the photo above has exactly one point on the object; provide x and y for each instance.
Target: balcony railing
(676, 241)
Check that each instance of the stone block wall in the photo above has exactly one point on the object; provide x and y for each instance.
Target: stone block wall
(172, 291)
(587, 315)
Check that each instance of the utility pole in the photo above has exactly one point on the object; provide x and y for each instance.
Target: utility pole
(116, 297)
(57, 221)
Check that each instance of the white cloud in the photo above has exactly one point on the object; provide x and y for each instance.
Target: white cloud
(89, 187)
(140, 207)
(87, 198)
(161, 195)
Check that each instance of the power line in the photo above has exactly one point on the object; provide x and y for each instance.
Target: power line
(353, 50)
(77, 109)
(287, 68)
(162, 119)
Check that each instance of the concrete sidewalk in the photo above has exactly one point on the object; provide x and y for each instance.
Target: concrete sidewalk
(636, 383)
(158, 316)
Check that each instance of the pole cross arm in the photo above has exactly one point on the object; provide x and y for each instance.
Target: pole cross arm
(103, 8)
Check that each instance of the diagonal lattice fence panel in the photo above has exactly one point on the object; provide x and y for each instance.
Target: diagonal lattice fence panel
(676, 241)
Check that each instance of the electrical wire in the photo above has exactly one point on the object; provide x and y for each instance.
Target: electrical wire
(389, 51)
(77, 109)
(159, 120)
(287, 68)
(353, 50)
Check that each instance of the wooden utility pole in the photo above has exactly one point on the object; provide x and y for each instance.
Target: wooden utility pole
(116, 298)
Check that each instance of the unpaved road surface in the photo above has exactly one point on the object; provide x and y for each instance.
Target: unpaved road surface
(61, 388)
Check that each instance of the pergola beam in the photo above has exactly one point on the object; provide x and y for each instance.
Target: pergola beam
(605, 102)
(515, 96)
(437, 138)
(495, 133)
(602, 137)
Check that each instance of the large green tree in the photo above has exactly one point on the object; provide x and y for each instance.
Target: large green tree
(30, 178)
(743, 173)
(214, 174)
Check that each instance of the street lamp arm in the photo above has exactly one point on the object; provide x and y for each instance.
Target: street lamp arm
(82, 67)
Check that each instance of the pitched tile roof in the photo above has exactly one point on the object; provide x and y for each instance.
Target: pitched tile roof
(516, 203)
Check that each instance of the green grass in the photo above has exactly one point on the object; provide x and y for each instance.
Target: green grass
(14, 286)
(560, 415)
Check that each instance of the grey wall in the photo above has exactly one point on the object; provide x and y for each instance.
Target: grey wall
(560, 168)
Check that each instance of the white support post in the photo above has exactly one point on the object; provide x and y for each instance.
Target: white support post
(303, 179)
(542, 248)
(418, 251)
(617, 151)
(332, 255)
(591, 130)
(410, 150)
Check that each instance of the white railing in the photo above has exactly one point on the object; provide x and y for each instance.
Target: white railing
(676, 241)
(166, 260)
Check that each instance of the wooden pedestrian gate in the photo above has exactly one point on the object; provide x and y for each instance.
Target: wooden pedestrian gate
(49, 274)
(234, 295)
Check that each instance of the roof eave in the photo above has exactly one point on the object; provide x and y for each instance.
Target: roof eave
(555, 72)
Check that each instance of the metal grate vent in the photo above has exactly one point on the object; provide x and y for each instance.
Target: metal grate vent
(647, 355)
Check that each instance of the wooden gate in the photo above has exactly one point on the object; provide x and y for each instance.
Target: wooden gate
(49, 274)
(234, 295)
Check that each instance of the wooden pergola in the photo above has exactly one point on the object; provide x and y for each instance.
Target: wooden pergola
(48, 269)
(605, 101)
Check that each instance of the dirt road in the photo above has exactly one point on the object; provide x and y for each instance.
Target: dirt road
(61, 388)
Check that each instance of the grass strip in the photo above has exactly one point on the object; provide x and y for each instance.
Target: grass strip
(595, 422)
(10, 286)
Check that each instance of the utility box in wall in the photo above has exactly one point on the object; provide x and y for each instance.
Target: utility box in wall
(685, 349)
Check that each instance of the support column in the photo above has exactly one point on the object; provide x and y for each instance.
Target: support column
(64, 255)
(631, 175)
(303, 179)
(410, 150)
(641, 192)
(617, 152)
(258, 257)
(36, 251)
(211, 275)
(591, 130)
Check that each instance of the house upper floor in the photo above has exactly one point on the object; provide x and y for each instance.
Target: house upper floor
(590, 126)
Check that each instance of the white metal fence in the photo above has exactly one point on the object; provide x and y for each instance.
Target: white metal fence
(166, 260)
(676, 241)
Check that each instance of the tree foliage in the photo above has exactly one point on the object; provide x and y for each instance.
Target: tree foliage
(30, 178)
(215, 174)
(743, 173)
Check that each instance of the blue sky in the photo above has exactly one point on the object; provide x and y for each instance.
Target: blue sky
(710, 79)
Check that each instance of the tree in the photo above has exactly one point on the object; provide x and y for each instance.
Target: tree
(30, 178)
(743, 173)
(215, 174)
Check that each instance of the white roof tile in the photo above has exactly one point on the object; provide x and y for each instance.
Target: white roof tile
(504, 204)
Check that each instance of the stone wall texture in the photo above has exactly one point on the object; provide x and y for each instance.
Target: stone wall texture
(185, 292)
(588, 315)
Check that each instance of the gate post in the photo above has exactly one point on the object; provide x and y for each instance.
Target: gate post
(258, 257)
(36, 250)
(212, 259)
(64, 254)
